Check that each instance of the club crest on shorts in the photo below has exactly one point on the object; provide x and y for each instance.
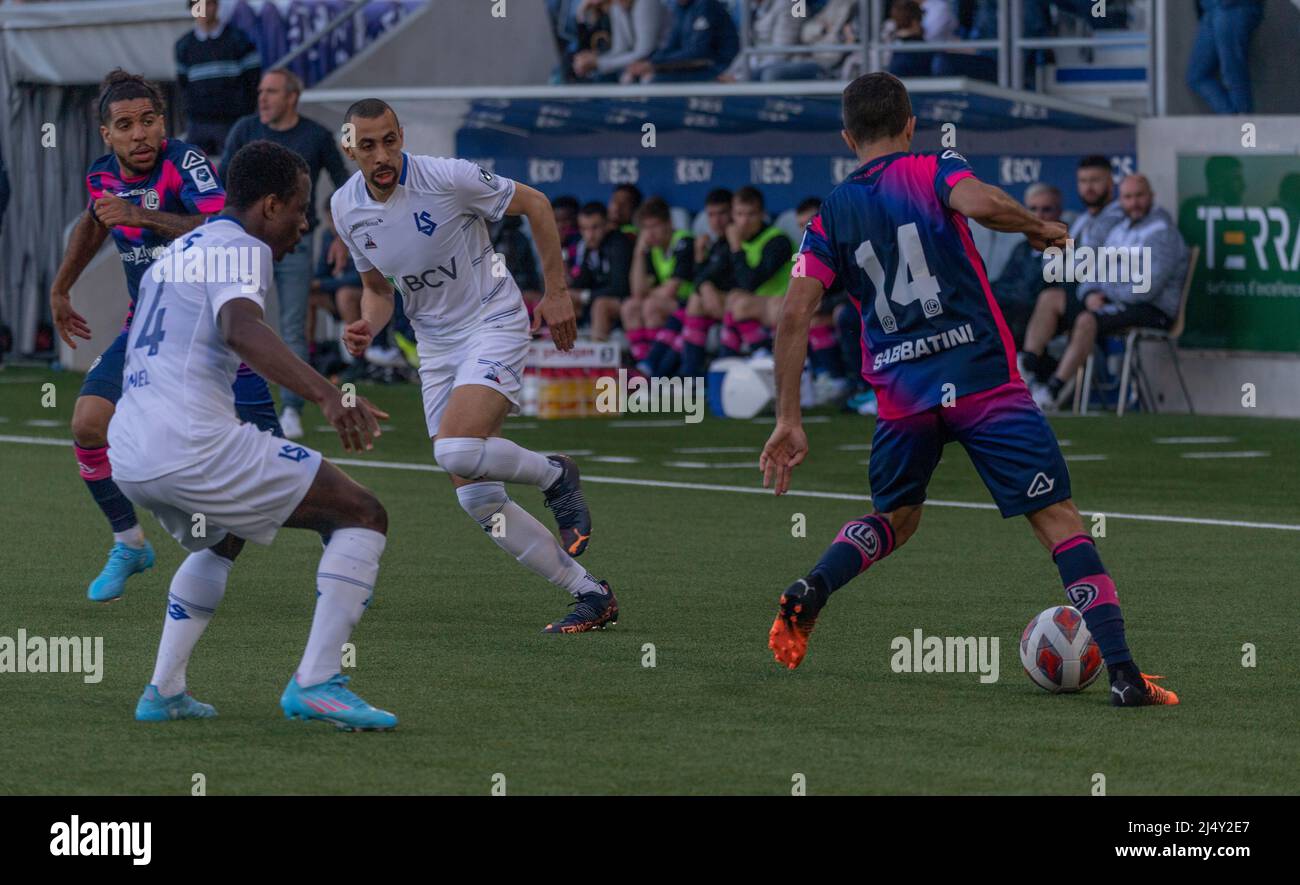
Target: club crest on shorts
(294, 453)
(1081, 595)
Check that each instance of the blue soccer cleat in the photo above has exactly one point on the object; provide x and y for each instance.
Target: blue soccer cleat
(333, 702)
(123, 562)
(153, 707)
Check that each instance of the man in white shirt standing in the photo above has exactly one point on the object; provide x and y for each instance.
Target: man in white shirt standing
(419, 224)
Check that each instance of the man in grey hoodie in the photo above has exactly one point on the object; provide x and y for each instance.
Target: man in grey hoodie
(1137, 281)
(637, 27)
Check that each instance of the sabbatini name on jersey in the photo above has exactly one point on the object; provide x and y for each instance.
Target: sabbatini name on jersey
(925, 346)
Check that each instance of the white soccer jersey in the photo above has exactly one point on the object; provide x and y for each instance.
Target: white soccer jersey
(176, 402)
(431, 241)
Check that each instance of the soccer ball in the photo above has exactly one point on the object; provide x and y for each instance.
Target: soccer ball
(1058, 652)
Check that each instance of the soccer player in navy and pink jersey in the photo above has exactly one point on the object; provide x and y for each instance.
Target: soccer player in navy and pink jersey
(940, 357)
(146, 191)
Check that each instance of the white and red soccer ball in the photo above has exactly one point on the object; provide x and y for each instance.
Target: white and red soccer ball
(1058, 652)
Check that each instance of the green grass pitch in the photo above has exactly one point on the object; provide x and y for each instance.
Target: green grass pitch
(452, 643)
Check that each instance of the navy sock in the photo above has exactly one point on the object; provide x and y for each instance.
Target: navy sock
(97, 473)
(1031, 362)
(693, 359)
(1090, 589)
(663, 357)
(116, 506)
(860, 543)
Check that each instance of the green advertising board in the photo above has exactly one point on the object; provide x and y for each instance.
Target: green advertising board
(1244, 213)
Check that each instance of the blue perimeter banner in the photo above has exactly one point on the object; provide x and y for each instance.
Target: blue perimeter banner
(683, 167)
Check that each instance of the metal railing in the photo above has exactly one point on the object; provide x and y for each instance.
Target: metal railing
(1009, 45)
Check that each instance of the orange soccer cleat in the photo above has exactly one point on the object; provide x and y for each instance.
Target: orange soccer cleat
(795, 618)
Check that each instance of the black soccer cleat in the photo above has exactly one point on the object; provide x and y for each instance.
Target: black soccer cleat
(591, 611)
(1131, 688)
(564, 499)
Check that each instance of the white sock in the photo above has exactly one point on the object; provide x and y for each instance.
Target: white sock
(197, 588)
(494, 459)
(345, 580)
(516, 531)
(132, 537)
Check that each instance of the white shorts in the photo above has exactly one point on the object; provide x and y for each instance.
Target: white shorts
(491, 355)
(248, 487)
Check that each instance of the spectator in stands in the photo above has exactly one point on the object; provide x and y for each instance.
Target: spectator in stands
(1016, 288)
(1096, 186)
(1218, 69)
(1150, 300)
(938, 20)
(760, 267)
(337, 290)
(601, 277)
(566, 222)
(829, 383)
(701, 44)
(636, 29)
(623, 204)
(217, 72)
(1060, 305)
(833, 24)
(277, 119)
(512, 243)
(588, 30)
(904, 26)
(663, 267)
(772, 23)
(707, 304)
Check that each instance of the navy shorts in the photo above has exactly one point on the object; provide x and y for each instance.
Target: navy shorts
(105, 376)
(1006, 436)
(253, 401)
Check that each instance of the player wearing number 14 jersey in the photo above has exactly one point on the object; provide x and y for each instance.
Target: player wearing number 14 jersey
(940, 357)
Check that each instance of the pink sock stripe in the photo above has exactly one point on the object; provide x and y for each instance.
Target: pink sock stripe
(821, 337)
(94, 463)
(640, 350)
(1091, 591)
(871, 537)
(751, 331)
(696, 334)
(730, 338)
(666, 336)
(1069, 544)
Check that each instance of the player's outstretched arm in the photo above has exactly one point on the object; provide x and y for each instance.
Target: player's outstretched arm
(376, 311)
(247, 334)
(555, 307)
(788, 444)
(113, 211)
(85, 241)
(997, 210)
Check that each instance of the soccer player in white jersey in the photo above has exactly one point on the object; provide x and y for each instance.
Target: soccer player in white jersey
(419, 224)
(179, 450)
